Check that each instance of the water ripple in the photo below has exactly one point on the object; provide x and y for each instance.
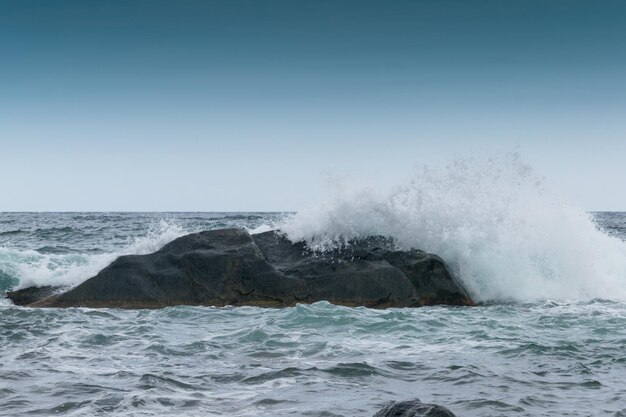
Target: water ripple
(313, 360)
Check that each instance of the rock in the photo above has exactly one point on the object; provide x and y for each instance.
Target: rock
(231, 267)
(32, 294)
(414, 408)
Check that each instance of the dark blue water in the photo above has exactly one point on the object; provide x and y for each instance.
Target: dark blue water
(540, 358)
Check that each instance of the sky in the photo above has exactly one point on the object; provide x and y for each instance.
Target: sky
(252, 105)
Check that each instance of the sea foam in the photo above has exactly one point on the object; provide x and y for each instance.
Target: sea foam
(496, 223)
(25, 268)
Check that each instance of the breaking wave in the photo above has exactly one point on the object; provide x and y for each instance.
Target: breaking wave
(500, 228)
(24, 268)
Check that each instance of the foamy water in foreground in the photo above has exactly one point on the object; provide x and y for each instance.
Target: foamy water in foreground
(320, 360)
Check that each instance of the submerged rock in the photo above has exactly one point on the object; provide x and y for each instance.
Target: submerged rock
(231, 267)
(414, 408)
(32, 294)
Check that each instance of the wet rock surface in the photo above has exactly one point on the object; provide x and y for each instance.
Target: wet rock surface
(32, 294)
(414, 408)
(231, 267)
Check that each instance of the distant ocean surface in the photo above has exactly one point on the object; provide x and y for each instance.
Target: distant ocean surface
(550, 339)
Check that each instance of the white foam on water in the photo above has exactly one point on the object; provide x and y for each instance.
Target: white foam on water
(32, 268)
(265, 227)
(497, 225)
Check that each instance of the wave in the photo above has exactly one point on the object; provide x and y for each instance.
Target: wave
(12, 232)
(503, 232)
(24, 268)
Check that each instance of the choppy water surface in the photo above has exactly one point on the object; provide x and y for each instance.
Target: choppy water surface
(543, 358)
(318, 360)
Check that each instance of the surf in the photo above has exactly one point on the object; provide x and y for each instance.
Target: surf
(21, 268)
(504, 233)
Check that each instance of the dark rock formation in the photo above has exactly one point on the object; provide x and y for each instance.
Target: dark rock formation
(32, 294)
(231, 267)
(414, 408)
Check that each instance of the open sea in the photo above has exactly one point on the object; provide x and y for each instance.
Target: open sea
(548, 340)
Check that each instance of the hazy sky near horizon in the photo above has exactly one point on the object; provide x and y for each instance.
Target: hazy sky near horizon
(253, 105)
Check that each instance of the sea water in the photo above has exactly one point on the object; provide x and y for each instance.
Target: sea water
(548, 338)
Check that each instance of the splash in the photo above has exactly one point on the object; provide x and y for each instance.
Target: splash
(25, 268)
(501, 230)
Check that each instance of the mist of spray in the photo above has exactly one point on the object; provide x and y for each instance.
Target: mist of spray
(500, 229)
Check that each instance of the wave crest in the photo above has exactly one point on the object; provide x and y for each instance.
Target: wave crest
(25, 268)
(501, 230)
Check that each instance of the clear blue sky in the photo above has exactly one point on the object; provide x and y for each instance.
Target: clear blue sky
(250, 105)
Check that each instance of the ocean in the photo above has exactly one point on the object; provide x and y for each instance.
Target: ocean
(549, 338)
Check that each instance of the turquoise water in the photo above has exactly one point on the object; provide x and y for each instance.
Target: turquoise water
(543, 358)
